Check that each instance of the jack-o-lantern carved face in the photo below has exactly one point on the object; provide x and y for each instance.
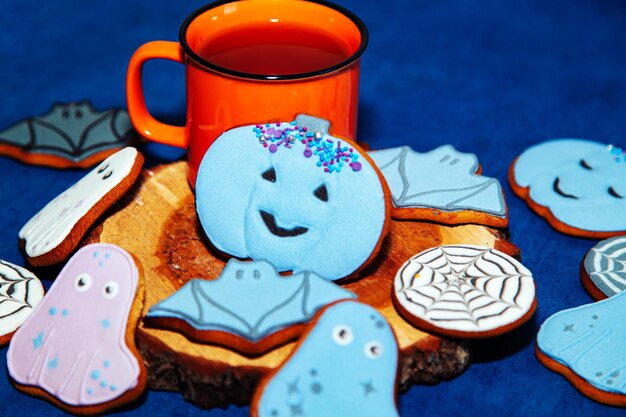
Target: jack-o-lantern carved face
(583, 183)
(264, 192)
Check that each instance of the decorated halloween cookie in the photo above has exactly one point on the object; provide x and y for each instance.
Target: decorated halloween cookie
(586, 345)
(464, 291)
(442, 185)
(603, 271)
(69, 135)
(293, 195)
(53, 233)
(345, 365)
(249, 307)
(579, 186)
(20, 292)
(77, 349)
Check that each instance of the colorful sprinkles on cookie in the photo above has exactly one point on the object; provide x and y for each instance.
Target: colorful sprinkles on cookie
(312, 203)
(618, 153)
(332, 157)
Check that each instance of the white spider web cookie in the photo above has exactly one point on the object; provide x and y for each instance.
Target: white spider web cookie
(464, 291)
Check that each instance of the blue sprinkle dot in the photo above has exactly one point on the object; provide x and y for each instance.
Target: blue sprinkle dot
(100, 263)
(65, 312)
(107, 255)
(89, 391)
(95, 374)
(113, 388)
(267, 125)
(103, 384)
(293, 123)
(95, 254)
(319, 164)
(52, 311)
(106, 364)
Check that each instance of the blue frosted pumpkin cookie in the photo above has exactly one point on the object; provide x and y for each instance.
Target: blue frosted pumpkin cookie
(295, 196)
(345, 365)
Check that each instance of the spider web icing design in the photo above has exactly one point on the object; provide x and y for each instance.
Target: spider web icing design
(20, 293)
(605, 265)
(465, 288)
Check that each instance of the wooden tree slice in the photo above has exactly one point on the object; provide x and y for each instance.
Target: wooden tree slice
(157, 222)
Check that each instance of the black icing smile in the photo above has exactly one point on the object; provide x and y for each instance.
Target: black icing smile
(557, 189)
(270, 223)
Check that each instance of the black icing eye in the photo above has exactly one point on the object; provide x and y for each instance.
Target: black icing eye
(78, 114)
(256, 274)
(373, 349)
(82, 282)
(65, 114)
(321, 192)
(614, 193)
(102, 168)
(269, 175)
(342, 335)
(110, 290)
(585, 165)
(107, 175)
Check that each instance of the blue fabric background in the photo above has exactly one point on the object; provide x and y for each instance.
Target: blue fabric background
(488, 77)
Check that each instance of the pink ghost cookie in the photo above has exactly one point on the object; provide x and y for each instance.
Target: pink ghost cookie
(77, 348)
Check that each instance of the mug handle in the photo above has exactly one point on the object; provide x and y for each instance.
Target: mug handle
(143, 121)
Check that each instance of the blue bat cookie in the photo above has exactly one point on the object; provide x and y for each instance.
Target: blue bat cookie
(586, 345)
(69, 135)
(249, 307)
(344, 366)
(441, 185)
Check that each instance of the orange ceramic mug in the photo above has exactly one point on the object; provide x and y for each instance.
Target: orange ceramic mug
(253, 61)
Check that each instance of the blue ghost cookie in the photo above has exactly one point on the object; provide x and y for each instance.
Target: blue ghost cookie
(344, 366)
(295, 196)
(586, 345)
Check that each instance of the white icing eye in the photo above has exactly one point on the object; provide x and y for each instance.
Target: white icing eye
(373, 349)
(110, 290)
(342, 335)
(82, 282)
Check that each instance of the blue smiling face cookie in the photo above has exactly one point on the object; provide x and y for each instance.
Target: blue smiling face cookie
(298, 198)
(345, 366)
(582, 184)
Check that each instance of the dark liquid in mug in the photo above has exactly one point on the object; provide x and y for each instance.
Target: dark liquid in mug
(274, 49)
